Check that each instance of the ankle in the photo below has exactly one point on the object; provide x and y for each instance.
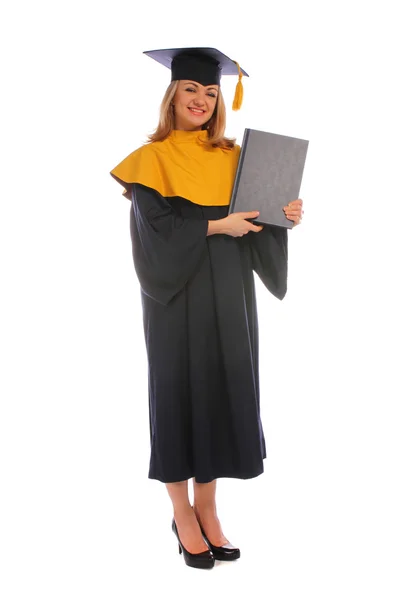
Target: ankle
(183, 512)
(205, 510)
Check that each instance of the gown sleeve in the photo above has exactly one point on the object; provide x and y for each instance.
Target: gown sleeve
(269, 257)
(166, 247)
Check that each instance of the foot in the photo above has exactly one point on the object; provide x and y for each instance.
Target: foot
(212, 527)
(189, 532)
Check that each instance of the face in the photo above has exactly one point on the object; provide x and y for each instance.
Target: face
(194, 104)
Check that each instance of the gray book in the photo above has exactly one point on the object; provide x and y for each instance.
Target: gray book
(268, 176)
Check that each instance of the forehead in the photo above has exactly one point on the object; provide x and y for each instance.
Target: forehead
(196, 83)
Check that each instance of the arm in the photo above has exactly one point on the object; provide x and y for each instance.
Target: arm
(216, 226)
(166, 247)
(269, 256)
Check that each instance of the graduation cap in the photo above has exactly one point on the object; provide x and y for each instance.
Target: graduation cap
(204, 65)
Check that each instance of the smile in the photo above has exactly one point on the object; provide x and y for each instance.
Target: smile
(196, 111)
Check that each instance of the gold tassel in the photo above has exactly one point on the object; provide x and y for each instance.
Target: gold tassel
(237, 100)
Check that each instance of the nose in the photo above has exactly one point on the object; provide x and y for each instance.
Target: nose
(199, 100)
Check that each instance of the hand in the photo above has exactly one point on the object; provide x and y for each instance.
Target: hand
(236, 224)
(294, 211)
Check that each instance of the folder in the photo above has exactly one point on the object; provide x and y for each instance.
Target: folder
(268, 176)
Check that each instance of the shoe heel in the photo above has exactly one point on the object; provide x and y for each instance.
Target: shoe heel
(180, 549)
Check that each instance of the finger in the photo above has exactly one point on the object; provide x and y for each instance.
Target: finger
(294, 209)
(292, 214)
(291, 206)
(250, 215)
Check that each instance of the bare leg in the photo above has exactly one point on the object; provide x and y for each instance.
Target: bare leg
(185, 519)
(204, 506)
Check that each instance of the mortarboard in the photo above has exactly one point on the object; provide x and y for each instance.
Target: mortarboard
(205, 65)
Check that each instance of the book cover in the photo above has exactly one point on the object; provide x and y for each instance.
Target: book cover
(268, 176)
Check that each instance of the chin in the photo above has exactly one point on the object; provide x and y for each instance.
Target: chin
(197, 122)
(201, 122)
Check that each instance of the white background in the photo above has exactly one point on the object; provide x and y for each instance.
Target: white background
(79, 518)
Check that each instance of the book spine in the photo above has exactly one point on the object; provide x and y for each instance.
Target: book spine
(239, 170)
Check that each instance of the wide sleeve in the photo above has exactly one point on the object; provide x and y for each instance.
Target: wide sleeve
(269, 257)
(166, 247)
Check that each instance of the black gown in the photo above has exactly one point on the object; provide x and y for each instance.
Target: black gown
(201, 334)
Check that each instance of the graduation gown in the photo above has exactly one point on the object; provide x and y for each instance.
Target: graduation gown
(200, 326)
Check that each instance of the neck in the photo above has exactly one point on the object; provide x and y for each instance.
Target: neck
(188, 135)
(177, 128)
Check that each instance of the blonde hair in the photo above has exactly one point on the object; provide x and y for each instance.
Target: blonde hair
(215, 126)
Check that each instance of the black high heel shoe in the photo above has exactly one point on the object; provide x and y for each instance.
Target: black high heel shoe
(201, 560)
(224, 552)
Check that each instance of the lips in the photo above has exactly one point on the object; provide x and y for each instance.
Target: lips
(196, 111)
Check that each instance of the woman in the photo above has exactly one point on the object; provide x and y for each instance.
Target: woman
(195, 266)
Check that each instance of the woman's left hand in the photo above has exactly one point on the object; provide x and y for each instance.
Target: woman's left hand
(294, 211)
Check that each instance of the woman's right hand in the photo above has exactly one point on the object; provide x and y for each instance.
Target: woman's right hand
(236, 225)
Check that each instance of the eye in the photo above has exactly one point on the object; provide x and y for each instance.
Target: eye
(212, 95)
(189, 90)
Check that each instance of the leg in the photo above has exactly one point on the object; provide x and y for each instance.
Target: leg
(204, 506)
(185, 519)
